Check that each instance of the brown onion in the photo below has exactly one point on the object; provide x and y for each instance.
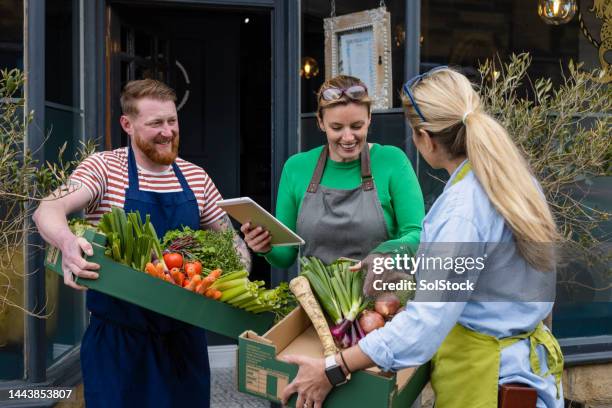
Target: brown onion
(370, 321)
(387, 304)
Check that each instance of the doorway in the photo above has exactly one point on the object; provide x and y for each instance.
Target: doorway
(219, 62)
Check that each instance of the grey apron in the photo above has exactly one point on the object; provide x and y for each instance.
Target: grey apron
(341, 223)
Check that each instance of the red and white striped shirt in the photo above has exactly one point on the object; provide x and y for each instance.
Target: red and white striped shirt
(105, 176)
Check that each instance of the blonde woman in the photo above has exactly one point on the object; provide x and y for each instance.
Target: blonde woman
(491, 205)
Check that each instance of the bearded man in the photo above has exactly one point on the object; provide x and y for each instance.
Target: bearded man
(132, 357)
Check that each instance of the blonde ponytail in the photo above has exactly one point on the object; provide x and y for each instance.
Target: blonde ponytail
(454, 116)
(507, 180)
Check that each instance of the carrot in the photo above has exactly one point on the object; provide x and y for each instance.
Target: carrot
(206, 282)
(213, 293)
(201, 287)
(215, 273)
(168, 278)
(194, 283)
(150, 269)
(178, 276)
(160, 270)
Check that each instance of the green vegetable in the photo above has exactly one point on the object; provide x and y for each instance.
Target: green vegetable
(214, 249)
(78, 226)
(338, 290)
(129, 240)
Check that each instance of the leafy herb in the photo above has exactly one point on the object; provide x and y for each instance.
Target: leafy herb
(214, 249)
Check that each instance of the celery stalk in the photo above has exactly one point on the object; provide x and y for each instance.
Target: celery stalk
(223, 286)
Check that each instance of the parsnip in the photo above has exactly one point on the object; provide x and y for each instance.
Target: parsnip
(301, 289)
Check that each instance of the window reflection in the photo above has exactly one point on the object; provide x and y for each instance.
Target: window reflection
(466, 33)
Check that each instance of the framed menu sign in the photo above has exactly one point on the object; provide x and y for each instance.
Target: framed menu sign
(359, 44)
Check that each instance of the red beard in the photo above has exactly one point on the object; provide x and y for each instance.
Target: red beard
(149, 149)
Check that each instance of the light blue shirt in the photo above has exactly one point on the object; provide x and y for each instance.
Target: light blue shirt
(464, 214)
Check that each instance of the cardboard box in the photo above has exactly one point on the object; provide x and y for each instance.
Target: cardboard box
(137, 287)
(260, 373)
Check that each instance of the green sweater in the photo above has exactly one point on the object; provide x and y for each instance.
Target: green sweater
(396, 184)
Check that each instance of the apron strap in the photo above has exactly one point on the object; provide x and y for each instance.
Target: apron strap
(367, 181)
(467, 167)
(133, 172)
(554, 356)
(180, 177)
(318, 173)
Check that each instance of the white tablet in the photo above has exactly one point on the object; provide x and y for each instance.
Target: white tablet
(245, 210)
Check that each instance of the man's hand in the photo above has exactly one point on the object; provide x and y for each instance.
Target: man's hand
(258, 238)
(223, 224)
(50, 218)
(311, 383)
(73, 263)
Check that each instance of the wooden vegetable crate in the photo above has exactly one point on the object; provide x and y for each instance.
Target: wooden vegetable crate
(141, 289)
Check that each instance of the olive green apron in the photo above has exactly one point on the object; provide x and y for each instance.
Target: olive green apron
(465, 369)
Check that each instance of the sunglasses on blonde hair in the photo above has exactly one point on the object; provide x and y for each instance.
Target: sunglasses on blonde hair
(407, 89)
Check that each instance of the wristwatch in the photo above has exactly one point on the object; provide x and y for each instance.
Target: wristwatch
(334, 372)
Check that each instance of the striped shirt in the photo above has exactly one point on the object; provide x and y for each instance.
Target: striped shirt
(105, 176)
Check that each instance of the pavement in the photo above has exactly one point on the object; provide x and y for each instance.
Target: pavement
(225, 395)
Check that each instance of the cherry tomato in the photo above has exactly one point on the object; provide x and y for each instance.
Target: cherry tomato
(173, 260)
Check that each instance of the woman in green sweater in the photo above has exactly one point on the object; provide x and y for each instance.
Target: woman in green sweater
(348, 198)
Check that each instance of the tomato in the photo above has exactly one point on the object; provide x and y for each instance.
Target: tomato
(173, 260)
(193, 268)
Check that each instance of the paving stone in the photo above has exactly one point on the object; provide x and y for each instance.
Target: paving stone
(224, 393)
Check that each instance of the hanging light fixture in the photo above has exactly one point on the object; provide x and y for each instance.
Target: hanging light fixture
(310, 68)
(556, 12)
(399, 35)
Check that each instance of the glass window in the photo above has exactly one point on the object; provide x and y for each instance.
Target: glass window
(63, 123)
(387, 126)
(11, 278)
(61, 52)
(313, 38)
(11, 34)
(466, 33)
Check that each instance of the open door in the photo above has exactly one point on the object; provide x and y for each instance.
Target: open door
(219, 63)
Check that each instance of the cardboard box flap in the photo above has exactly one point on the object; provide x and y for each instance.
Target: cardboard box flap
(306, 344)
(251, 335)
(285, 331)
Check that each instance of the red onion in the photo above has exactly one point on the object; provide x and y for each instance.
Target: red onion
(387, 304)
(370, 321)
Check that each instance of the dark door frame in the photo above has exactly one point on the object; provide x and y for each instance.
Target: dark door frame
(285, 18)
(285, 21)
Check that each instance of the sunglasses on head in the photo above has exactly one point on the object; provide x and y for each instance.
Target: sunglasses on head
(407, 89)
(353, 92)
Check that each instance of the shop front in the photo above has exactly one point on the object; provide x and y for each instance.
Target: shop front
(246, 73)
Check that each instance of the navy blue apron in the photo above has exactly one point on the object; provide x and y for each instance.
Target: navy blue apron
(133, 357)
